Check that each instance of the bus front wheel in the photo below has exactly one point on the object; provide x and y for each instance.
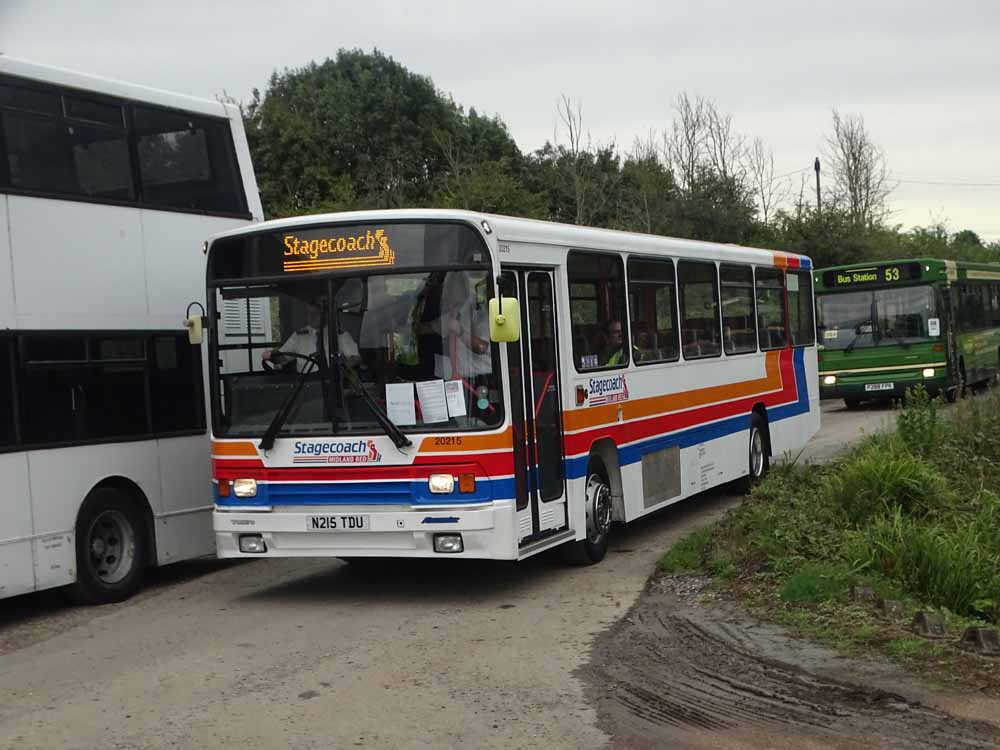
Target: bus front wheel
(111, 548)
(594, 547)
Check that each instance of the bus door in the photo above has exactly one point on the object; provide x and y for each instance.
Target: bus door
(536, 410)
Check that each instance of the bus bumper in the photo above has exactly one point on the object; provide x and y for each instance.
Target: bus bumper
(488, 531)
(887, 385)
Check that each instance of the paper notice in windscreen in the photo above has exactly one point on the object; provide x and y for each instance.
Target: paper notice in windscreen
(399, 403)
(432, 405)
(456, 398)
(933, 326)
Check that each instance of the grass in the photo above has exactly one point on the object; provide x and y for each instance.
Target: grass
(817, 582)
(688, 553)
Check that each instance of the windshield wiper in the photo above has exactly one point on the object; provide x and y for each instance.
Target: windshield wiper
(858, 333)
(267, 441)
(895, 335)
(394, 433)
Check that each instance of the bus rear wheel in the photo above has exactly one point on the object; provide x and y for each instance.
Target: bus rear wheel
(594, 547)
(111, 548)
(759, 453)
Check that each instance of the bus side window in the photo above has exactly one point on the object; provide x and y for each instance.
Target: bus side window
(699, 292)
(652, 310)
(739, 327)
(7, 435)
(800, 308)
(771, 308)
(597, 310)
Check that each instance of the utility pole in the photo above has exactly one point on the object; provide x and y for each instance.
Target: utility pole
(816, 167)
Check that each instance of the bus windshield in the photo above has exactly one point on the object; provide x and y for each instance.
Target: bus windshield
(849, 320)
(417, 342)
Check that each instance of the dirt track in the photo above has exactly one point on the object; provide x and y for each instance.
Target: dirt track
(680, 673)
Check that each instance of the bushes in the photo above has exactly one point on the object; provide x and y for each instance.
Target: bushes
(919, 509)
(884, 474)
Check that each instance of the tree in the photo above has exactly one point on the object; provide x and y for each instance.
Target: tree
(861, 179)
(768, 191)
(353, 132)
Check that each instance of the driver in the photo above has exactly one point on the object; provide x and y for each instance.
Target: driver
(303, 342)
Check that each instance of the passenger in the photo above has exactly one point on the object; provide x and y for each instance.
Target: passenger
(614, 353)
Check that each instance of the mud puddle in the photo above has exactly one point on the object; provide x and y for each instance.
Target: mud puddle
(688, 670)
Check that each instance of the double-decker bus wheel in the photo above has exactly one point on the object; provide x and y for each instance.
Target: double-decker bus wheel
(111, 548)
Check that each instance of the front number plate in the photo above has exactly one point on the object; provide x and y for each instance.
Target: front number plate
(878, 386)
(339, 522)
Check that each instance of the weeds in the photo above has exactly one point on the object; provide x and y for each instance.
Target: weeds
(688, 553)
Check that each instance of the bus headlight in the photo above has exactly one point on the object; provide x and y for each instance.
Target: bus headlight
(830, 380)
(928, 372)
(245, 487)
(441, 484)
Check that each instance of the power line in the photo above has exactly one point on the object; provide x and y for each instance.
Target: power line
(952, 184)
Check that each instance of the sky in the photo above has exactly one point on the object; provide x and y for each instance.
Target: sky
(925, 76)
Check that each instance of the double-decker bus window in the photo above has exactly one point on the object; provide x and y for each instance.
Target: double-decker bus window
(36, 157)
(699, 289)
(77, 148)
(739, 329)
(653, 310)
(78, 388)
(598, 340)
(101, 162)
(771, 308)
(7, 433)
(176, 384)
(800, 308)
(186, 161)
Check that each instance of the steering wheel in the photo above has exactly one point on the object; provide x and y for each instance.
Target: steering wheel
(268, 364)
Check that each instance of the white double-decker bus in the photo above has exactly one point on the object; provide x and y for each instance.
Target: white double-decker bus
(430, 383)
(108, 192)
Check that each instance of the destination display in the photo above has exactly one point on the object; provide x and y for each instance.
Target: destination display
(872, 275)
(346, 248)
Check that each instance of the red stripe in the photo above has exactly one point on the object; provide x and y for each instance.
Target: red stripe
(661, 425)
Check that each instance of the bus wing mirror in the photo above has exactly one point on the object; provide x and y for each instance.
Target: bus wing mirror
(505, 319)
(195, 328)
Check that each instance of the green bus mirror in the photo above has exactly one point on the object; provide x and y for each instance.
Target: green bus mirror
(505, 319)
(195, 329)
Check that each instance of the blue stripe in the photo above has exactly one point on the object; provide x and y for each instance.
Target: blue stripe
(577, 467)
(367, 493)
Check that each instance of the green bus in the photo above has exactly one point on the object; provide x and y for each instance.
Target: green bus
(884, 327)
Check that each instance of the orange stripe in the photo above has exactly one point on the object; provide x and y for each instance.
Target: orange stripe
(233, 449)
(781, 260)
(501, 441)
(581, 419)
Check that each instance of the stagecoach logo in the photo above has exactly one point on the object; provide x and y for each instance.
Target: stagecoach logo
(370, 248)
(341, 452)
(607, 390)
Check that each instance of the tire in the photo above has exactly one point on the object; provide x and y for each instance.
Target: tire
(594, 547)
(112, 548)
(758, 454)
(852, 402)
(957, 391)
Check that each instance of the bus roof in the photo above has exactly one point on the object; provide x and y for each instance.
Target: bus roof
(536, 231)
(95, 84)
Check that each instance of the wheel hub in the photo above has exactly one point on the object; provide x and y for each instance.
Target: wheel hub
(111, 541)
(598, 507)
